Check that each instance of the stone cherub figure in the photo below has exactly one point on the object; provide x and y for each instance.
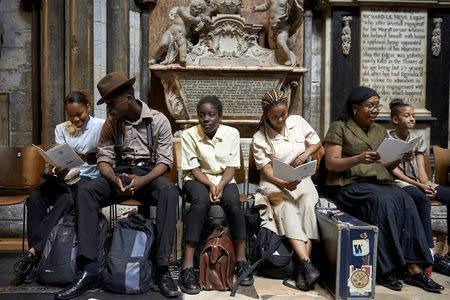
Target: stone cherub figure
(285, 17)
(174, 41)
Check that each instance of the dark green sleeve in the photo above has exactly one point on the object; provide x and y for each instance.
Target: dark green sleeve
(335, 133)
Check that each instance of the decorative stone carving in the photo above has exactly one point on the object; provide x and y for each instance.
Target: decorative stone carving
(174, 44)
(436, 37)
(346, 35)
(240, 89)
(285, 17)
(226, 7)
(231, 41)
(228, 61)
(174, 100)
(146, 2)
(226, 38)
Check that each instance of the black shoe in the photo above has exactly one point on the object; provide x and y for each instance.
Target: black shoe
(83, 283)
(241, 267)
(441, 265)
(311, 271)
(25, 263)
(422, 280)
(167, 286)
(389, 281)
(31, 275)
(300, 282)
(187, 281)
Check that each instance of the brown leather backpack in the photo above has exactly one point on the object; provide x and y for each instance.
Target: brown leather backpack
(217, 262)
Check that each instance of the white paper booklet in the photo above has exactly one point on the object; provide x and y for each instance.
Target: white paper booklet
(392, 149)
(62, 156)
(286, 172)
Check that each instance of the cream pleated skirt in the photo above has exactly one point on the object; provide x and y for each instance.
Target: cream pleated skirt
(289, 213)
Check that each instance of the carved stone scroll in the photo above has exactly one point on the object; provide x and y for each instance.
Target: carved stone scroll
(436, 37)
(174, 101)
(346, 35)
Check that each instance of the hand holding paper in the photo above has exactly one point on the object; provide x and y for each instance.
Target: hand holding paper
(286, 172)
(62, 156)
(393, 149)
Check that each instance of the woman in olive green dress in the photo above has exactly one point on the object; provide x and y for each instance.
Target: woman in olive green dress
(363, 187)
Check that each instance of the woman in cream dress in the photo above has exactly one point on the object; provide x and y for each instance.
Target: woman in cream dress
(287, 208)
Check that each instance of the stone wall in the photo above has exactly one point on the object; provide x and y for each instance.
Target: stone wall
(316, 69)
(15, 70)
(15, 79)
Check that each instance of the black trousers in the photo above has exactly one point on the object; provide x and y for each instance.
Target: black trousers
(198, 194)
(443, 196)
(99, 193)
(424, 208)
(39, 221)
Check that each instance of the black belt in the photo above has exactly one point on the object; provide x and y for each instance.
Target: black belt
(137, 162)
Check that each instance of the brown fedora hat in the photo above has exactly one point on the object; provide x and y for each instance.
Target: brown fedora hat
(111, 83)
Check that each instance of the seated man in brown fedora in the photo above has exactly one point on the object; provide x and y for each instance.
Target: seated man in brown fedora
(136, 140)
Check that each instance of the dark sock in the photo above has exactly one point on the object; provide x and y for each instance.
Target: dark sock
(92, 268)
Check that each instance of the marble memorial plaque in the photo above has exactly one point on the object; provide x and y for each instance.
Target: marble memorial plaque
(241, 96)
(393, 53)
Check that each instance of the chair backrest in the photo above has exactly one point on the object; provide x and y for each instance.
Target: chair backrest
(21, 167)
(239, 173)
(173, 174)
(253, 174)
(427, 162)
(441, 165)
(318, 155)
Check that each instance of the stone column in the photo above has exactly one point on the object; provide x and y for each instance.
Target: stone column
(80, 53)
(144, 78)
(326, 71)
(118, 42)
(52, 67)
(307, 62)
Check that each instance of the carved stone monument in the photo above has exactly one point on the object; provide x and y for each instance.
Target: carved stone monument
(226, 60)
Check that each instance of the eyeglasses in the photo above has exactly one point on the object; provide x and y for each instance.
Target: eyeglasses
(373, 107)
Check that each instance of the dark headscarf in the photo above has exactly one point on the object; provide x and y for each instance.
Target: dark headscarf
(357, 95)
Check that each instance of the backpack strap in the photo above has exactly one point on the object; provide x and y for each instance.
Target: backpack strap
(286, 283)
(268, 253)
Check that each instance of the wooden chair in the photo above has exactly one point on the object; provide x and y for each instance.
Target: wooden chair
(20, 175)
(239, 177)
(441, 165)
(254, 175)
(429, 172)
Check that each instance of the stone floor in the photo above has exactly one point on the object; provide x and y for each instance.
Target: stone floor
(274, 290)
(263, 289)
